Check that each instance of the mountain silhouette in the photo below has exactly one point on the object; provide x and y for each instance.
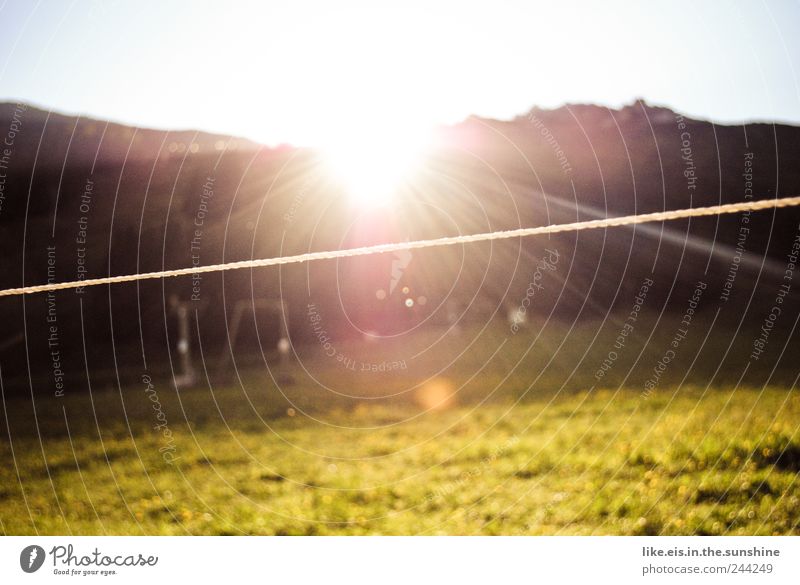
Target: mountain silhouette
(86, 198)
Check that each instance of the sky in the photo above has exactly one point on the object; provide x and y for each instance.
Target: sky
(305, 71)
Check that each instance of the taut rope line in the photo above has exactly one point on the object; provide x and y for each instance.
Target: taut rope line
(446, 241)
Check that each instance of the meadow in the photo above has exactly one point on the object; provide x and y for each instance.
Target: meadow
(508, 446)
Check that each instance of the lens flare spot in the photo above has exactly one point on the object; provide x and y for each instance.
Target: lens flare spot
(436, 394)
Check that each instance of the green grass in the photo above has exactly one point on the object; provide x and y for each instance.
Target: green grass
(685, 460)
(589, 464)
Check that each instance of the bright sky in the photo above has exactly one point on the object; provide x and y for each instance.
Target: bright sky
(300, 71)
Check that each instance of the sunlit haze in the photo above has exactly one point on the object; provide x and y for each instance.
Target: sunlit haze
(300, 72)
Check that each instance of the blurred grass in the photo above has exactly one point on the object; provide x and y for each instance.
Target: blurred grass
(511, 454)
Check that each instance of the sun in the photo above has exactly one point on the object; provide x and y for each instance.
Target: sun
(372, 164)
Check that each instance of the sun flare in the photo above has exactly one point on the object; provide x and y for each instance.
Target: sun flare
(372, 165)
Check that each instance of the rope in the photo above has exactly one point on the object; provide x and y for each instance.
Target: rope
(447, 241)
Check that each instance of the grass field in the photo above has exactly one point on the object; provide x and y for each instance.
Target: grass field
(684, 460)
